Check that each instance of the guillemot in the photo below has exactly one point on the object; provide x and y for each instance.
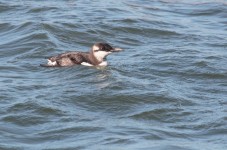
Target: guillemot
(96, 57)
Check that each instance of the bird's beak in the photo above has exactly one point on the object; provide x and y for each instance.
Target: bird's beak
(116, 50)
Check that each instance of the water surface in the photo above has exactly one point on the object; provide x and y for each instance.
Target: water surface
(166, 90)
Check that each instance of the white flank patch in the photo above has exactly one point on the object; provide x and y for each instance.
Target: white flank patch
(50, 63)
(86, 64)
(103, 64)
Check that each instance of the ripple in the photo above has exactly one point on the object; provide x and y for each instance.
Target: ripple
(42, 9)
(69, 130)
(35, 111)
(146, 31)
(4, 7)
(163, 115)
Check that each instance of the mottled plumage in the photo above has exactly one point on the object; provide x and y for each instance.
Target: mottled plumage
(95, 57)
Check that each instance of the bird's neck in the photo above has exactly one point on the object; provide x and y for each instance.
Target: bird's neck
(93, 59)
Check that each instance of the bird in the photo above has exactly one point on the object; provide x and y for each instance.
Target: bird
(95, 57)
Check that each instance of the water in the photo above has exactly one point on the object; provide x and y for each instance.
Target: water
(166, 90)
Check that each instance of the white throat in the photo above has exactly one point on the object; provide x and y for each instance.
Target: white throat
(100, 55)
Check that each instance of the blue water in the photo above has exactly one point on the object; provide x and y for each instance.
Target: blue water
(166, 90)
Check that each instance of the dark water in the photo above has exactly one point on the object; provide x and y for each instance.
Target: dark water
(166, 90)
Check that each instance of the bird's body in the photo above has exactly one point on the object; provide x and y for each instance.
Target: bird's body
(96, 57)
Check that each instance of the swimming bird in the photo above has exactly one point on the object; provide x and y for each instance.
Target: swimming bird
(95, 57)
